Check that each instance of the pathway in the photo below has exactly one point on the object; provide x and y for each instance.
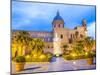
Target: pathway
(59, 65)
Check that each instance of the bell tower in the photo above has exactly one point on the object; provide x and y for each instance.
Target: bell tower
(58, 25)
(84, 25)
(58, 29)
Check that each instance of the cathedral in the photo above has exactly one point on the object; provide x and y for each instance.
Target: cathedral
(66, 36)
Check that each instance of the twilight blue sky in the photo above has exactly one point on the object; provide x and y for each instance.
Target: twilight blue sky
(39, 16)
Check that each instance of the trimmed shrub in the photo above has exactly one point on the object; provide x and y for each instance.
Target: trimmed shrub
(20, 59)
(49, 56)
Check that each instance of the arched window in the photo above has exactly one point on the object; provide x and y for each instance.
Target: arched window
(59, 26)
(61, 36)
(71, 38)
(76, 34)
(48, 46)
(81, 36)
(54, 26)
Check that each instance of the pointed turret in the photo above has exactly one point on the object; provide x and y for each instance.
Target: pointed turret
(84, 22)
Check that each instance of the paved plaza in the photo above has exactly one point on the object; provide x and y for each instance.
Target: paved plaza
(59, 65)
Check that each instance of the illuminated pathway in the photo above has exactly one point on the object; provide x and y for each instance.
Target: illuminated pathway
(59, 65)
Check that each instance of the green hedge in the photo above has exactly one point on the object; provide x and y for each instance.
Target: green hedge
(70, 57)
(39, 58)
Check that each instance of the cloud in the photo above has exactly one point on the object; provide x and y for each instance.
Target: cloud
(91, 29)
(32, 10)
(18, 24)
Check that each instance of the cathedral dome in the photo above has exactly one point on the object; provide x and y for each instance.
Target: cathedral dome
(58, 21)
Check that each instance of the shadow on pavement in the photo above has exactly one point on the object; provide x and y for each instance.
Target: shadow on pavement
(32, 68)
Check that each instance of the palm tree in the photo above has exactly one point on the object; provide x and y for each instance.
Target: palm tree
(14, 47)
(89, 43)
(22, 39)
(65, 49)
(38, 46)
(78, 48)
(31, 44)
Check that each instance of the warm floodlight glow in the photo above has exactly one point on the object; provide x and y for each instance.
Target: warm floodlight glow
(74, 62)
(34, 55)
(86, 53)
(27, 56)
(57, 45)
(73, 55)
(42, 56)
(57, 55)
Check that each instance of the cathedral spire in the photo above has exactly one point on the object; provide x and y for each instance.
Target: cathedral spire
(58, 13)
(58, 17)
